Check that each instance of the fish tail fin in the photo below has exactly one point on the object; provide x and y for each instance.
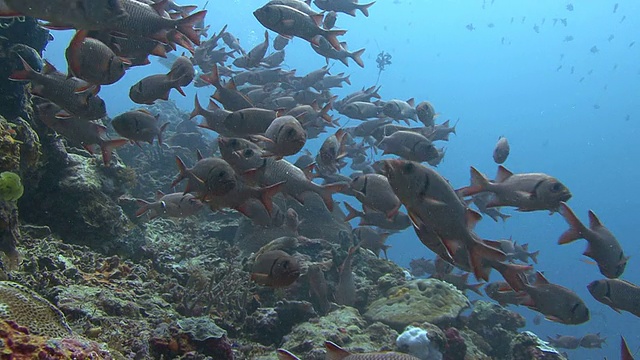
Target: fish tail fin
(185, 26)
(328, 190)
(534, 256)
(107, 148)
(357, 57)
(365, 8)
(162, 129)
(504, 217)
(332, 37)
(480, 251)
(479, 183)
(183, 171)
(324, 113)
(475, 288)
(575, 226)
(143, 207)
(267, 193)
(214, 78)
(197, 109)
(352, 212)
(25, 74)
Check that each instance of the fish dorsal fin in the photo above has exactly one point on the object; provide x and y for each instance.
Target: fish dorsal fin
(594, 222)
(159, 6)
(625, 353)
(48, 68)
(411, 102)
(231, 85)
(199, 155)
(503, 174)
(335, 352)
(317, 19)
(540, 279)
(472, 218)
(446, 123)
(285, 355)
(159, 194)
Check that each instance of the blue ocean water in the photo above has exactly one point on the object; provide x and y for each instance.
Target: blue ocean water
(566, 111)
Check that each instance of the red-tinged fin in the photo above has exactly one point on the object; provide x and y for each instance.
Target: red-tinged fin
(21, 75)
(412, 102)
(285, 355)
(475, 288)
(308, 171)
(159, 194)
(331, 36)
(324, 113)
(503, 174)
(185, 26)
(52, 26)
(352, 212)
(479, 251)
(159, 50)
(162, 129)
(594, 222)
(479, 183)
(391, 214)
(143, 207)
(197, 109)
(107, 146)
(327, 192)
(625, 353)
(63, 114)
(576, 228)
(187, 9)
(318, 19)
(74, 45)
(159, 6)
(184, 172)
(214, 78)
(357, 58)
(540, 279)
(267, 193)
(365, 8)
(335, 352)
(513, 274)
(182, 40)
(472, 218)
(534, 256)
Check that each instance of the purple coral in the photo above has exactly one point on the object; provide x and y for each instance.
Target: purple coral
(456, 347)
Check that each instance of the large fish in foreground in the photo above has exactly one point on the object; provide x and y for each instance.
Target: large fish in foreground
(94, 62)
(438, 214)
(82, 14)
(555, 302)
(76, 97)
(527, 192)
(288, 22)
(620, 295)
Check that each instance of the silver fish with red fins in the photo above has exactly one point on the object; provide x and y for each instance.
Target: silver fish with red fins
(275, 268)
(288, 21)
(139, 125)
(555, 302)
(174, 205)
(527, 192)
(603, 247)
(94, 62)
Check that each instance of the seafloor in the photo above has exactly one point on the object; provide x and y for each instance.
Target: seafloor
(163, 289)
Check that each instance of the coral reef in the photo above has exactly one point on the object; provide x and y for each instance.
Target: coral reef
(429, 300)
(496, 325)
(415, 341)
(527, 346)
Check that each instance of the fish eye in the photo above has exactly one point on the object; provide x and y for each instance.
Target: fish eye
(248, 153)
(233, 142)
(408, 168)
(222, 174)
(556, 187)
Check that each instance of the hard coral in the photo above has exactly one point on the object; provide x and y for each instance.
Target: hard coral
(191, 334)
(30, 310)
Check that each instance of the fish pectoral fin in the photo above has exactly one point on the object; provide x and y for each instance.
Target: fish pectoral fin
(260, 278)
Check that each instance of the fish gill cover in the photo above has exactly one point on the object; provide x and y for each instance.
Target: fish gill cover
(473, 143)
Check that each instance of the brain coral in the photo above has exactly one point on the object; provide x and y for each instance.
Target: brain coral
(30, 310)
